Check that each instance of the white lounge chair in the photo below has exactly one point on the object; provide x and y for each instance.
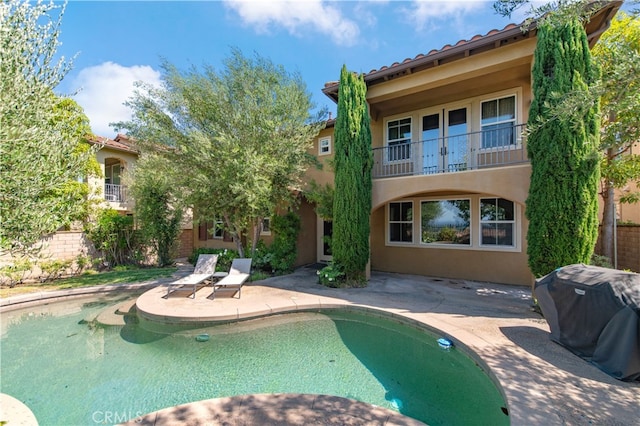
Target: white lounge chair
(204, 270)
(239, 273)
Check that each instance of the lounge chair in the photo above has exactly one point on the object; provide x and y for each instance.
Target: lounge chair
(239, 273)
(204, 270)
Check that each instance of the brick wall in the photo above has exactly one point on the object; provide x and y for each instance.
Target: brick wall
(185, 243)
(66, 245)
(629, 248)
(628, 242)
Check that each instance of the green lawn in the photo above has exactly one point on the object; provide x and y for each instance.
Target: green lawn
(87, 280)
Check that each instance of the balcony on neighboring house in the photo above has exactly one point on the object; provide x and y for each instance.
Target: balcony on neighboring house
(502, 145)
(115, 193)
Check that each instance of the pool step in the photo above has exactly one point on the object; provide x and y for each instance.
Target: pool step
(115, 315)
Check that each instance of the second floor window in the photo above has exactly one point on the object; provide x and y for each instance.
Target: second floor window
(498, 122)
(399, 139)
(324, 146)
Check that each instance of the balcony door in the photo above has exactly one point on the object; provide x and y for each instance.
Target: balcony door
(445, 140)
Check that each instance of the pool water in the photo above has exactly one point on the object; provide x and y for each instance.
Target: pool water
(70, 370)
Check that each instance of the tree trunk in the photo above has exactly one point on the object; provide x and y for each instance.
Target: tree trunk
(235, 235)
(257, 229)
(608, 221)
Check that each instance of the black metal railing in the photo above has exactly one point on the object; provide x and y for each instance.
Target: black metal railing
(500, 145)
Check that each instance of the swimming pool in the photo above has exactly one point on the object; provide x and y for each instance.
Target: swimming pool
(71, 370)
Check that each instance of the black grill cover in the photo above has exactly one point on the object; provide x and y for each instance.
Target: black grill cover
(595, 313)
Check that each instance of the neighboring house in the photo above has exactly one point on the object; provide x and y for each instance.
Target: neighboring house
(115, 157)
(628, 213)
(451, 174)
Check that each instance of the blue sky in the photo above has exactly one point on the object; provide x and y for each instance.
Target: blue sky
(119, 42)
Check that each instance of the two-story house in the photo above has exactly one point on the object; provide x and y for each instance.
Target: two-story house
(115, 157)
(451, 173)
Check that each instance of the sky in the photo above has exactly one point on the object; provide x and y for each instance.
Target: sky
(115, 43)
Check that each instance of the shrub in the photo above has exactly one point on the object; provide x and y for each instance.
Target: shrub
(82, 262)
(115, 237)
(262, 258)
(53, 269)
(259, 275)
(15, 273)
(283, 249)
(603, 261)
(331, 276)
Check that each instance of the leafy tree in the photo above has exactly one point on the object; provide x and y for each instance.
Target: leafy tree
(352, 163)
(43, 152)
(322, 197)
(618, 53)
(157, 213)
(237, 138)
(562, 202)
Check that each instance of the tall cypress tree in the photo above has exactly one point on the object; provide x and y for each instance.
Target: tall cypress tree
(562, 202)
(353, 162)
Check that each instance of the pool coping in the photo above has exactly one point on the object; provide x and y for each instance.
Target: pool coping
(541, 381)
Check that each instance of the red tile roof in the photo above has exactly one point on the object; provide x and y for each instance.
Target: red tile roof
(494, 37)
(478, 43)
(120, 143)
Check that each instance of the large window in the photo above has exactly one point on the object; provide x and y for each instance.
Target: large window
(497, 222)
(445, 222)
(498, 122)
(401, 222)
(399, 139)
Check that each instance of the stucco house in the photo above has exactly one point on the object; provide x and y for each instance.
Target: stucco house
(451, 174)
(115, 157)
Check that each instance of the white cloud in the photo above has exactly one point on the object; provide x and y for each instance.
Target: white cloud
(104, 88)
(435, 13)
(297, 17)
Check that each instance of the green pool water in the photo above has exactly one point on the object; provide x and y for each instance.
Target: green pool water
(70, 370)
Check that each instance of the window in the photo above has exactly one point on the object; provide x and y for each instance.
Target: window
(266, 226)
(497, 222)
(324, 146)
(218, 230)
(211, 230)
(399, 139)
(498, 122)
(401, 222)
(445, 222)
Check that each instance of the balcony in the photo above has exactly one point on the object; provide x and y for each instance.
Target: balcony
(115, 193)
(502, 145)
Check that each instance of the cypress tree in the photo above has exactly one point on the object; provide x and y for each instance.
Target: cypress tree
(562, 201)
(352, 164)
